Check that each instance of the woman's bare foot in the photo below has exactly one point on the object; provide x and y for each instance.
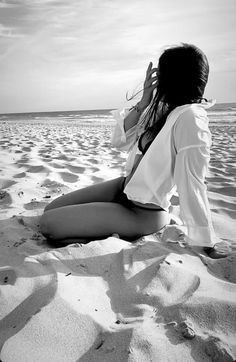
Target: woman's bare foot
(218, 251)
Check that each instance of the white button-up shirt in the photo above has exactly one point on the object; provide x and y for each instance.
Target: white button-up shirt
(177, 160)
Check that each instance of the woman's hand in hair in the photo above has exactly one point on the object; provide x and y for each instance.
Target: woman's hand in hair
(150, 84)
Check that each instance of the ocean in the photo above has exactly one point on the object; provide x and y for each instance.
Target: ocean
(219, 114)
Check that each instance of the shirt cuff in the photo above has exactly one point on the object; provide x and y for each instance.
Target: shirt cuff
(200, 236)
(119, 116)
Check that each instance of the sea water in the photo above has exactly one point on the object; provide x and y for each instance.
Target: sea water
(219, 114)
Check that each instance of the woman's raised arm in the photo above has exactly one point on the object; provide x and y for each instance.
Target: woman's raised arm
(124, 134)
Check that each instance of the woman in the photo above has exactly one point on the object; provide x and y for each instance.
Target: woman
(168, 140)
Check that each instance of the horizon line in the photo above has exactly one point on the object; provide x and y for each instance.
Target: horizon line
(81, 110)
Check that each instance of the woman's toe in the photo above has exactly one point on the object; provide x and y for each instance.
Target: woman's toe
(219, 250)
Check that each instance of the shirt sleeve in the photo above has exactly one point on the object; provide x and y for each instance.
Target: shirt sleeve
(122, 139)
(192, 140)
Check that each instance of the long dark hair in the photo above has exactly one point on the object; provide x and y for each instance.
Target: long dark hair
(182, 77)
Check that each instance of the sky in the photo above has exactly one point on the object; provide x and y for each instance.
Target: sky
(86, 54)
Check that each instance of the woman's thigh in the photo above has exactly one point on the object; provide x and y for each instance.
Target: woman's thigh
(105, 191)
(100, 219)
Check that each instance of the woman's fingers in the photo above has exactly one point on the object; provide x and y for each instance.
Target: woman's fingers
(150, 70)
(154, 78)
(150, 73)
(149, 67)
(151, 87)
(153, 70)
(150, 81)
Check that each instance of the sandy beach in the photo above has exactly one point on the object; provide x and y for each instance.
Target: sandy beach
(109, 300)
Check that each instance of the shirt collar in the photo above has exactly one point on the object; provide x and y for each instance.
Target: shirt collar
(207, 104)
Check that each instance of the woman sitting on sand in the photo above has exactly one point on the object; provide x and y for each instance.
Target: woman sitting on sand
(169, 141)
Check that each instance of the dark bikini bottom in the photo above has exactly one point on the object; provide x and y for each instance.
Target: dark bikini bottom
(123, 199)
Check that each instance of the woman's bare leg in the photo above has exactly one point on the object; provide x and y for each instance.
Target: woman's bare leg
(102, 192)
(101, 219)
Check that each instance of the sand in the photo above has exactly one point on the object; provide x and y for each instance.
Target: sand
(155, 299)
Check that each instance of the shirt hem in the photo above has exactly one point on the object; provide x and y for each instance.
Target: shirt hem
(144, 202)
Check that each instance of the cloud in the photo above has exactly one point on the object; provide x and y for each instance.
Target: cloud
(59, 45)
(9, 32)
(84, 33)
(6, 4)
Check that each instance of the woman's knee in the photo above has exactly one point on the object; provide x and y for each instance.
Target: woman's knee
(47, 225)
(52, 205)
(48, 207)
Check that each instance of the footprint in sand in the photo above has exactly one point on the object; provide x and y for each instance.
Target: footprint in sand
(223, 204)
(7, 275)
(5, 199)
(35, 169)
(61, 157)
(215, 179)
(227, 190)
(97, 179)
(35, 205)
(27, 149)
(76, 169)
(20, 175)
(48, 160)
(92, 160)
(4, 184)
(24, 159)
(67, 150)
(216, 171)
(93, 169)
(84, 147)
(57, 165)
(42, 151)
(231, 170)
(19, 164)
(68, 177)
(186, 328)
(173, 282)
(115, 153)
(51, 184)
(218, 350)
